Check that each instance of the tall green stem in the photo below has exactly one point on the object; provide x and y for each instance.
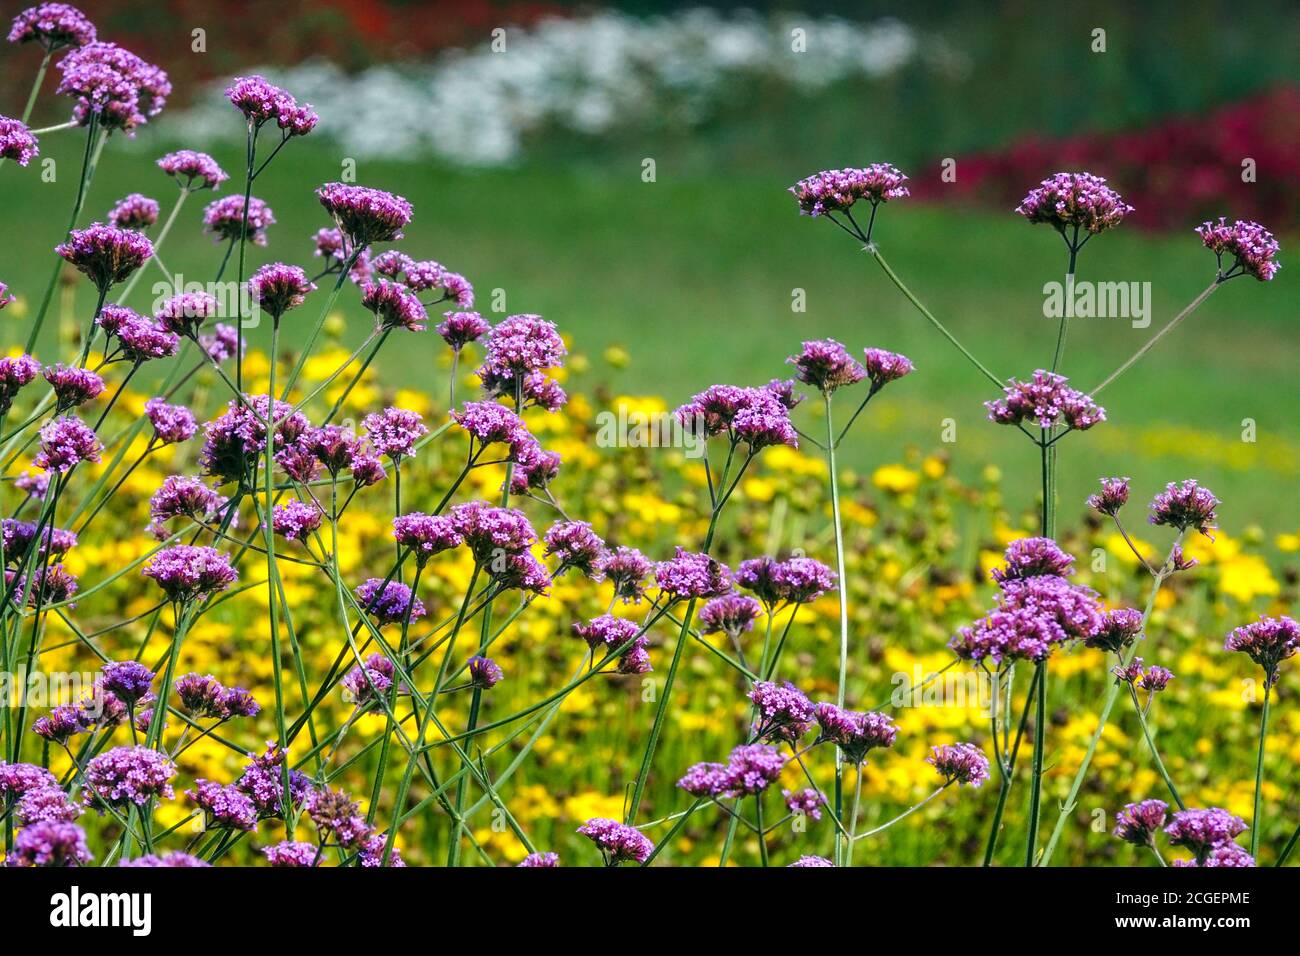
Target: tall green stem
(1259, 769)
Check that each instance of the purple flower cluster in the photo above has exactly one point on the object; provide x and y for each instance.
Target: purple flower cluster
(72, 386)
(183, 497)
(1203, 831)
(484, 673)
(17, 142)
(365, 215)
(279, 288)
(1045, 400)
(262, 102)
(784, 712)
(756, 416)
(814, 861)
(575, 545)
(114, 85)
(188, 573)
(614, 634)
(1112, 497)
(202, 695)
(225, 807)
(20, 535)
(65, 443)
(426, 535)
(224, 219)
(139, 339)
(193, 170)
(46, 805)
(547, 860)
(394, 305)
(1117, 631)
(1031, 557)
(389, 603)
(174, 860)
(779, 583)
(731, 614)
(128, 775)
(50, 843)
(458, 329)
(1184, 505)
(617, 842)
(1034, 615)
(185, 312)
(963, 764)
(373, 676)
(1268, 642)
(291, 854)
(885, 367)
(691, 574)
(171, 423)
(490, 531)
(394, 431)
(17, 779)
(1076, 201)
(626, 569)
(1138, 823)
(336, 816)
(836, 190)
(135, 211)
(128, 681)
(106, 255)
(234, 442)
(16, 373)
(807, 801)
(53, 26)
(1252, 248)
(490, 423)
(295, 519)
(263, 781)
(856, 733)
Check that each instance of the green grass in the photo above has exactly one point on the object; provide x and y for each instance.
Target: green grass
(694, 274)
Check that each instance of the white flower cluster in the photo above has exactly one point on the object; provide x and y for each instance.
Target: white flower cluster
(589, 75)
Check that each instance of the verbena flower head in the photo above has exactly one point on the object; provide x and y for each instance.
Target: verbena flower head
(17, 779)
(183, 497)
(291, 854)
(200, 694)
(1034, 616)
(334, 446)
(575, 545)
(1138, 823)
(1117, 631)
(235, 442)
(19, 536)
(1155, 679)
(1204, 830)
(279, 288)
(756, 416)
(885, 367)
(626, 569)
(520, 571)
(65, 443)
(17, 142)
(363, 215)
(61, 724)
(1112, 497)
(263, 780)
(1046, 400)
(491, 423)
(731, 614)
(394, 306)
(295, 519)
(1074, 201)
(128, 775)
(185, 312)
(484, 673)
(706, 779)
(47, 585)
(1250, 246)
(106, 255)
(388, 603)
(140, 339)
(53, 26)
(374, 676)
(225, 807)
(458, 329)
(5, 298)
(855, 733)
(336, 815)
(135, 211)
(174, 860)
(426, 535)
(261, 102)
(692, 574)
(1227, 855)
(129, 681)
(813, 861)
(221, 343)
(50, 843)
(189, 572)
(1184, 505)
(46, 805)
(617, 842)
(114, 85)
(963, 764)
(752, 768)
(16, 373)
(488, 530)
(784, 712)
(72, 386)
(827, 365)
(224, 219)
(1268, 642)
(193, 170)
(524, 343)
(807, 801)
(457, 290)
(171, 423)
(546, 860)
(394, 431)
(836, 190)
(1030, 557)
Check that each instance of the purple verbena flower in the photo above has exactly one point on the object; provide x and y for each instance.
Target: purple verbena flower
(1268, 642)
(1118, 629)
(72, 386)
(183, 497)
(807, 801)
(1184, 505)
(730, 614)
(458, 329)
(394, 306)
(836, 190)
(295, 519)
(171, 423)
(692, 575)
(128, 775)
(575, 544)
(1112, 497)
(626, 569)
(1138, 823)
(617, 842)
(855, 733)
(224, 219)
(1030, 557)
(193, 170)
(46, 805)
(65, 443)
(291, 853)
(885, 367)
(1078, 201)
(826, 365)
(1046, 400)
(394, 431)
(135, 211)
(113, 85)
(188, 573)
(546, 860)
(129, 681)
(17, 142)
(50, 843)
(484, 673)
(278, 288)
(426, 535)
(391, 604)
(1252, 248)
(16, 373)
(963, 764)
(224, 807)
(1204, 830)
(365, 216)
(53, 26)
(106, 255)
(784, 712)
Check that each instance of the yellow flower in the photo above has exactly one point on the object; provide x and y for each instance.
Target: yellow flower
(1247, 577)
(895, 478)
(617, 356)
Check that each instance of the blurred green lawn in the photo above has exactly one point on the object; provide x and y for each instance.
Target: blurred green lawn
(693, 274)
